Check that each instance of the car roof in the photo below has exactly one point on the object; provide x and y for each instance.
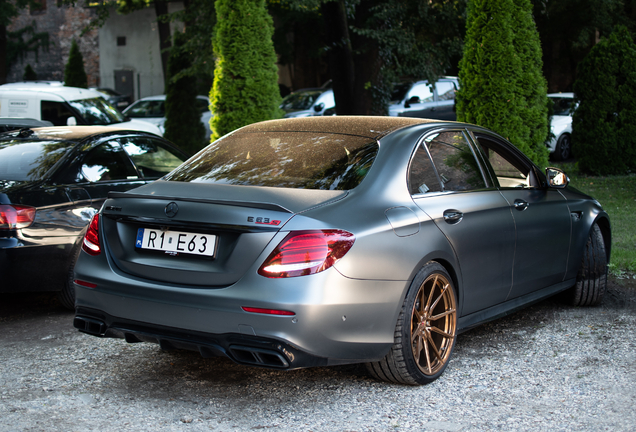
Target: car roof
(68, 93)
(366, 126)
(23, 122)
(74, 133)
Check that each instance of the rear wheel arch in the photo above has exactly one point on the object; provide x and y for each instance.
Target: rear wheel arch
(604, 224)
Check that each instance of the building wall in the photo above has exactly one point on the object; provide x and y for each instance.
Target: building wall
(140, 54)
(63, 24)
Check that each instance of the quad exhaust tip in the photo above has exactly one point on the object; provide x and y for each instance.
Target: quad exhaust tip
(90, 326)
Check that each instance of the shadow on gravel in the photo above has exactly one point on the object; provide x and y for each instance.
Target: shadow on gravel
(17, 306)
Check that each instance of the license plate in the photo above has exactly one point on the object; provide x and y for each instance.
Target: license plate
(175, 242)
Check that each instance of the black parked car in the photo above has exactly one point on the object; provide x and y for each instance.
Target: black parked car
(52, 181)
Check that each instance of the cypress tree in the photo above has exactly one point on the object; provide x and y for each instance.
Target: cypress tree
(74, 73)
(604, 124)
(245, 88)
(183, 119)
(29, 73)
(502, 85)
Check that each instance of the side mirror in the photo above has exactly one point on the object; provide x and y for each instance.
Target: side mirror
(71, 121)
(412, 100)
(556, 178)
(319, 107)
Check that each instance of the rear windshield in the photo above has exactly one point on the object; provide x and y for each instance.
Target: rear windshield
(22, 161)
(282, 159)
(97, 111)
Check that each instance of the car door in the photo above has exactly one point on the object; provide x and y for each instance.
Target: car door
(541, 215)
(420, 101)
(448, 184)
(445, 101)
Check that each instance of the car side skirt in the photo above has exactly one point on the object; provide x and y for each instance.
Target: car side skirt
(467, 322)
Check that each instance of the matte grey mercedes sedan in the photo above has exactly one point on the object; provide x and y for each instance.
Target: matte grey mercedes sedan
(332, 240)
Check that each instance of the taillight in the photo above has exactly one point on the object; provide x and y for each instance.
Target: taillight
(306, 252)
(16, 216)
(90, 245)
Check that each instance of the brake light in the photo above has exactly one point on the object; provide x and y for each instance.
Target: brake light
(268, 311)
(16, 216)
(90, 245)
(306, 252)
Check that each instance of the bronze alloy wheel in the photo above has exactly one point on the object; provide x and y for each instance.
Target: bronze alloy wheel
(433, 322)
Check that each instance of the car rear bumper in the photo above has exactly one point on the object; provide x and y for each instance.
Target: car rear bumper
(335, 319)
(27, 268)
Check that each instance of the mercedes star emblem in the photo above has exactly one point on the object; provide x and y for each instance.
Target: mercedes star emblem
(171, 209)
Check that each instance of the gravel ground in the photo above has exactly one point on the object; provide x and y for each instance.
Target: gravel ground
(549, 367)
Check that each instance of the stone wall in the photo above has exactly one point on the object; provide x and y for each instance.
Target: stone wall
(63, 24)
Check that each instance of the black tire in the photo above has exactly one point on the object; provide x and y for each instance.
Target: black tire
(431, 331)
(563, 148)
(67, 295)
(591, 280)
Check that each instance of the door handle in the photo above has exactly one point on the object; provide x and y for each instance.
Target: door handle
(453, 216)
(520, 205)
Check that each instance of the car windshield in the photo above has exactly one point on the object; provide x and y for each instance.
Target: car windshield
(147, 108)
(97, 111)
(30, 160)
(300, 101)
(562, 106)
(282, 159)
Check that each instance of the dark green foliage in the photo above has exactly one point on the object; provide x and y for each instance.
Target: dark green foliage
(25, 40)
(29, 73)
(183, 120)
(245, 86)
(569, 29)
(74, 73)
(502, 86)
(604, 124)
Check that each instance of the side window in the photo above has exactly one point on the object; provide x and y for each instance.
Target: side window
(455, 162)
(152, 158)
(422, 177)
(108, 161)
(509, 170)
(423, 92)
(55, 112)
(445, 90)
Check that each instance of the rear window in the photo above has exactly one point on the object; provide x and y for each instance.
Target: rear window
(290, 160)
(20, 161)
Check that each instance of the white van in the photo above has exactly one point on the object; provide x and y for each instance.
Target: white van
(64, 106)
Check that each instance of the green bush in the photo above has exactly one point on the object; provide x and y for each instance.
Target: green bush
(29, 73)
(245, 88)
(502, 85)
(74, 73)
(604, 124)
(183, 119)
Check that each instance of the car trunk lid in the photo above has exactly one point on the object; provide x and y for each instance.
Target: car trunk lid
(199, 217)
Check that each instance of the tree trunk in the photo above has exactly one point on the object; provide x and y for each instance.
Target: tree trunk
(3, 54)
(161, 10)
(340, 55)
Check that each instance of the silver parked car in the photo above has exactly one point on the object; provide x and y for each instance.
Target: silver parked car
(563, 106)
(331, 240)
(308, 102)
(152, 109)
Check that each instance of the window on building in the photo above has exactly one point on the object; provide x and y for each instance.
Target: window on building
(121, 40)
